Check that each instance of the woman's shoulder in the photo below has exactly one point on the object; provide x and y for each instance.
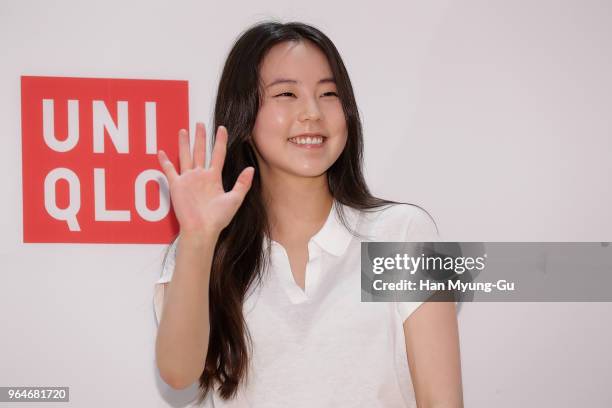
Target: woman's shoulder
(400, 222)
(394, 213)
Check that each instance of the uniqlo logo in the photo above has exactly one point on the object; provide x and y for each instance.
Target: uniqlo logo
(89, 157)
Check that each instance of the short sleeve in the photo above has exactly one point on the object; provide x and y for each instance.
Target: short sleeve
(166, 276)
(421, 228)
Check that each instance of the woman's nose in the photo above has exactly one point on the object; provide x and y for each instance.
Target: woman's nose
(309, 110)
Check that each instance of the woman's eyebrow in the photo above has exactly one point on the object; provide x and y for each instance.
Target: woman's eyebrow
(293, 81)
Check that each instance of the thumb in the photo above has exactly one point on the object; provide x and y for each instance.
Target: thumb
(243, 184)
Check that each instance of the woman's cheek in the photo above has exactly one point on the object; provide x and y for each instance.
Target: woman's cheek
(335, 115)
(277, 114)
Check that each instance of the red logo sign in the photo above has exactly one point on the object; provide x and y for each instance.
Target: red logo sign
(89, 157)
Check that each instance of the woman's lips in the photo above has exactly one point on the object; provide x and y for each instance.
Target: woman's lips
(307, 145)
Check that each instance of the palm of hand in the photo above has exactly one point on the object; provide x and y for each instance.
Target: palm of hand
(199, 200)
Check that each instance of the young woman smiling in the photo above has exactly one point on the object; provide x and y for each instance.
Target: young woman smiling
(260, 297)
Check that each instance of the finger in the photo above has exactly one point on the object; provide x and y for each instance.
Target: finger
(220, 148)
(167, 166)
(243, 184)
(199, 148)
(185, 160)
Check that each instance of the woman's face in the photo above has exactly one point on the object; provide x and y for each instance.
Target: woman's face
(299, 96)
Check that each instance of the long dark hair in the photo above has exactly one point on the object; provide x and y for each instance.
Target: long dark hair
(239, 258)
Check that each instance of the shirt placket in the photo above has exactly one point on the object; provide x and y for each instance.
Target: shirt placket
(313, 273)
(313, 269)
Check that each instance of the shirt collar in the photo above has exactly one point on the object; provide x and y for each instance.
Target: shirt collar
(333, 237)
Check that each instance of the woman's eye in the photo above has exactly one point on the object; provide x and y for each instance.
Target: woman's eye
(331, 93)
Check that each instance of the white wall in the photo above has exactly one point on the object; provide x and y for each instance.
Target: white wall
(493, 115)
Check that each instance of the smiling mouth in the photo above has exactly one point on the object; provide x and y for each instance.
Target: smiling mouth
(308, 140)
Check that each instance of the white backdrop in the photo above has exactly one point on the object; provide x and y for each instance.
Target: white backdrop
(493, 115)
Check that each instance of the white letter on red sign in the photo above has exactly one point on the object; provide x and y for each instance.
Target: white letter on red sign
(140, 194)
(101, 213)
(118, 132)
(69, 213)
(49, 126)
(151, 127)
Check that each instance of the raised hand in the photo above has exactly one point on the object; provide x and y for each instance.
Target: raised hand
(200, 203)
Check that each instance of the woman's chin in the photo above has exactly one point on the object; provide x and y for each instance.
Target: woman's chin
(310, 171)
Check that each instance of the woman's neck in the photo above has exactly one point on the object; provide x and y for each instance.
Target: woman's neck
(297, 207)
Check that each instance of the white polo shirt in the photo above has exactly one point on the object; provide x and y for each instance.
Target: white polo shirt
(323, 347)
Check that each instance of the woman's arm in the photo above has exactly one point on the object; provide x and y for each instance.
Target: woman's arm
(182, 337)
(432, 346)
(203, 209)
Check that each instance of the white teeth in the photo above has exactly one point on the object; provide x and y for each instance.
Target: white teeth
(307, 140)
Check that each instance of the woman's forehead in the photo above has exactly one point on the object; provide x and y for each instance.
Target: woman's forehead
(292, 60)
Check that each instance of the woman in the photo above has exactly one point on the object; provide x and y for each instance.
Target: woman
(260, 297)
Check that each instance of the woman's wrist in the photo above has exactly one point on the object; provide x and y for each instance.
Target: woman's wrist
(198, 238)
